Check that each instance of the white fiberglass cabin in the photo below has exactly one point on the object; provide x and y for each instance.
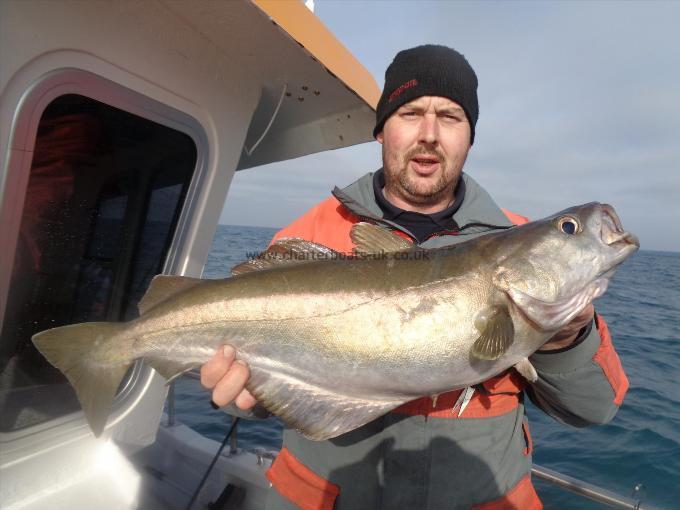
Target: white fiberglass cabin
(121, 126)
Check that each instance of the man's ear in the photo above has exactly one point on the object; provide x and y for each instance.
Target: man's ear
(379, 137)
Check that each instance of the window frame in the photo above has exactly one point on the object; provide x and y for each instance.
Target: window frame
(13, 187)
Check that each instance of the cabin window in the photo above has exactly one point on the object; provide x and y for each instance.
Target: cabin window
(104, 195)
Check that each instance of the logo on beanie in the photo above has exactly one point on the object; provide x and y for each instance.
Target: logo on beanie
(401, 88)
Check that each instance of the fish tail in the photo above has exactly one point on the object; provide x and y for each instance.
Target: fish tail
(77, 350)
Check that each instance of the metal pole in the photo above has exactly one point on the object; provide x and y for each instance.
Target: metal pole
(234, 422)
(233, 442)
(586, 489)
(171, 404)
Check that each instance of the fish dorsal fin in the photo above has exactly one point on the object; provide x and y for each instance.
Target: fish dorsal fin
(163, 287)
(285, 251)
(497, 332)
(317, 413)
(370, 238)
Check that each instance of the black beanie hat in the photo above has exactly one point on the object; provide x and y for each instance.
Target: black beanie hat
(429, 70)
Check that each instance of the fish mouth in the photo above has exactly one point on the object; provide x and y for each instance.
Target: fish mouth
(613, 234)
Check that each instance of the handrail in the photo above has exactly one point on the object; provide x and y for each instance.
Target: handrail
(574, 485)
(587, 490)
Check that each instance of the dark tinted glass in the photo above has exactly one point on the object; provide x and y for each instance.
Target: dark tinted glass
(104, 194)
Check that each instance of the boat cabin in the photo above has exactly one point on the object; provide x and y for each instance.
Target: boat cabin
(121, 127)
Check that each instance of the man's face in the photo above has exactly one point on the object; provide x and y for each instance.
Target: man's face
(424, 146)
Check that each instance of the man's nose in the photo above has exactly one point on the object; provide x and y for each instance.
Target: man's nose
(429, 129)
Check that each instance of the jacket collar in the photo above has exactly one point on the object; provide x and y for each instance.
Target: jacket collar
(443, 219)
(477, 211)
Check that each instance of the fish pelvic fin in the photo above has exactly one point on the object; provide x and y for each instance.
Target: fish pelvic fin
(370, 238)
(497, 332)
(317, 413)
(76, 351)
(527, 370)
(163, 287)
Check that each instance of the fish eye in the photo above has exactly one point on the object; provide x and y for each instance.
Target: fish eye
(568, 225)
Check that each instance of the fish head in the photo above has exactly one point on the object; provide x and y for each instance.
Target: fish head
(556, 266)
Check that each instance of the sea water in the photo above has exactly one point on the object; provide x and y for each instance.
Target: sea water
(639, 447)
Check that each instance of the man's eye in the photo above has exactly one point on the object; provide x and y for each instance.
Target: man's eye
(408, 114)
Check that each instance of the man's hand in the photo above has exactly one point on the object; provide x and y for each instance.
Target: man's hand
(568, 334)
(227, 378)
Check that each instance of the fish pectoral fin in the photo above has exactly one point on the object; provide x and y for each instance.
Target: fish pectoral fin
(317, 413)
(162, 287)
(497, 332)
(527, 370)
(285, 252)
(370, 238)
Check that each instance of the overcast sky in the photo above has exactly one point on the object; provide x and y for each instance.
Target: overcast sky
(579, 101)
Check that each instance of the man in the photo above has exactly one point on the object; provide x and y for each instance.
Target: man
(462, 449)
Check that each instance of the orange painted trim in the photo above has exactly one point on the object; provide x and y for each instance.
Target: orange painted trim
(521, 497)
(501, 396)
(308, 30)
(300, 485)
(610, 363)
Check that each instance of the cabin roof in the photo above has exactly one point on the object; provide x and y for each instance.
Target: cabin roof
(308, 30)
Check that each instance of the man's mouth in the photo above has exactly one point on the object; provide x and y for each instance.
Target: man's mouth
(425, 165)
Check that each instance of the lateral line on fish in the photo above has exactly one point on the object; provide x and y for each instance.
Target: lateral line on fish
(298, 317)
(395, 292)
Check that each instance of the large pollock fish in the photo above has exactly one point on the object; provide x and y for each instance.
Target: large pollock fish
(335, 342)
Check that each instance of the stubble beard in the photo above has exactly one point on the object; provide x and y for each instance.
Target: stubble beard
(399, 183)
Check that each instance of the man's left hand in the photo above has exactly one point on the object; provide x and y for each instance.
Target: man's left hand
(566, 336)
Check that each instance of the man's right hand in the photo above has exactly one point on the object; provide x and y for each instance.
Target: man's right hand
(226, 377)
